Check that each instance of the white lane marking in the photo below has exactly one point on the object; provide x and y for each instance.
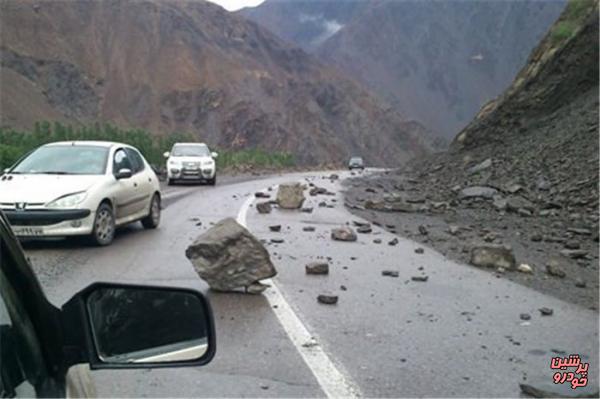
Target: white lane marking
(333, 382)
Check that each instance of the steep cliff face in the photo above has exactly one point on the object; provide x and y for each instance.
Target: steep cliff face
(435, 61)
(188, 66)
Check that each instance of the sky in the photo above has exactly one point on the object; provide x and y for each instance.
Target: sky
(233, 5)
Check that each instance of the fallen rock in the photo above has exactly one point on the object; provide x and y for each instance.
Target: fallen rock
(327, 299)
(525, 268)
(290, 196)
(553, 269)
(364, 229)
(308, 228)
(343, 234)
(263, 207)
(317, 190)
(525, 316)
(477, 192)
(419, 251)
(317, 268)
(261, 195)
(277, 240)
(420, 278)
(390, 273)
(546, 311)
(393, 242)
(275, 228)
(306, 210)
(377, 241)
(228, 257)
(333, 176)
(493, 256)
(574, 253)
(480, 167)
(423, 230)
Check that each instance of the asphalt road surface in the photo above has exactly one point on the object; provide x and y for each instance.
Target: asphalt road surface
(457, 334)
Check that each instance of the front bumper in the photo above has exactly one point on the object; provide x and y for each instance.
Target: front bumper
(203, 173)
(50, 223)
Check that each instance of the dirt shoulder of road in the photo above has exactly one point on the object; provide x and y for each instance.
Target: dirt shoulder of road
(455, 229)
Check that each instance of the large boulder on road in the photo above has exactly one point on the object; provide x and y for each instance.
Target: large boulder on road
(290, 196)
(228, 257)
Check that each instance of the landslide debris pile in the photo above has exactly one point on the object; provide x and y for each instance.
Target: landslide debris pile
(534, 149)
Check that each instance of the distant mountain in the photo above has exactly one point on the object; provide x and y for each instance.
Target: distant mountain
(435, 61)
(188, 66)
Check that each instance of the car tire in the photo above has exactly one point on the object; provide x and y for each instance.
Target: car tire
(212, 181)
(103, 232)
(170, 182)
(153, 219)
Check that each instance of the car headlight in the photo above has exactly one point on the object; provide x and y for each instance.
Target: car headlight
(210, 162)
(173, 163)
(68, 201)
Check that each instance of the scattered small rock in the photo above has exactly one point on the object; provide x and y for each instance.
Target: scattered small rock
(275, 228)
(343, 234)
(317, 268)
(423, 230)
(377, 241)
(261, 195)
(525, 316)
(390, 273)
(327, 299)
(306, 210)
(553, 269)
(546, 311)
(263, 207)
(277, 240)
(364, 229)
(525, 268)
(419, 251)
(420, 278)
(393, 242)
(308, 228)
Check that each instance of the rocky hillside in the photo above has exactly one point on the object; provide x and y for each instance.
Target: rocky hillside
(435, 61)
(188, 66)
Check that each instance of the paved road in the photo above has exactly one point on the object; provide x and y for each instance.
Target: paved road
(457, 334)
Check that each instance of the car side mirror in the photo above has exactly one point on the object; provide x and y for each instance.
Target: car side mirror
(129, 326)
(6, 170)
(123, 174)
(214, 154)
(166, 154)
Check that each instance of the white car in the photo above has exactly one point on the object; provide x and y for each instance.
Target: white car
(80, 188)
(191, 162)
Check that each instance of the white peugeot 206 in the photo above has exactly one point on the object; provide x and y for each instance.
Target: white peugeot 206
(80, 188)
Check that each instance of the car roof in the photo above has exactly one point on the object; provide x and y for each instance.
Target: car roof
(198, 144)
(107, 144)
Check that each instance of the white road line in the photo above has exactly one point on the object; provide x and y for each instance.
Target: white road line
(333, 382)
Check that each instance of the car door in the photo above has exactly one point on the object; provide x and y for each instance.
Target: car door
(126, 202)
(143, 178)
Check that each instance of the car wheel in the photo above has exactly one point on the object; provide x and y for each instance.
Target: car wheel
(153, 219)
(212, 181)
(104, 225)
(170, 182)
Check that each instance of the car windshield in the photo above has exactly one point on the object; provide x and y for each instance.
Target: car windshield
(64, 160)
(356, 159)
(190, 151)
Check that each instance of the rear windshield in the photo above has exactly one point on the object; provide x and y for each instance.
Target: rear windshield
(64, 160)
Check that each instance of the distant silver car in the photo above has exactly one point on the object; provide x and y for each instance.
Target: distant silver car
(356, 163)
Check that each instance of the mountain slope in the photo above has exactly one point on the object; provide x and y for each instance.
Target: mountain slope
(188, 66)
(434, 61)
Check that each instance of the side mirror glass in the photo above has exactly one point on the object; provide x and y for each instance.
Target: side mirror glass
(166, 154)
(214, 154)
(149, 325)
(123, 174)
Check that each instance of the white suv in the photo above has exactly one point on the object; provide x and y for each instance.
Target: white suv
(191, 162)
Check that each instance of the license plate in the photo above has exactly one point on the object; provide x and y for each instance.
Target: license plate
(28, 231)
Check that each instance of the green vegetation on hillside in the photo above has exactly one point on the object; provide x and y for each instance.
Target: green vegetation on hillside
(16, 143)
(570, 19)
